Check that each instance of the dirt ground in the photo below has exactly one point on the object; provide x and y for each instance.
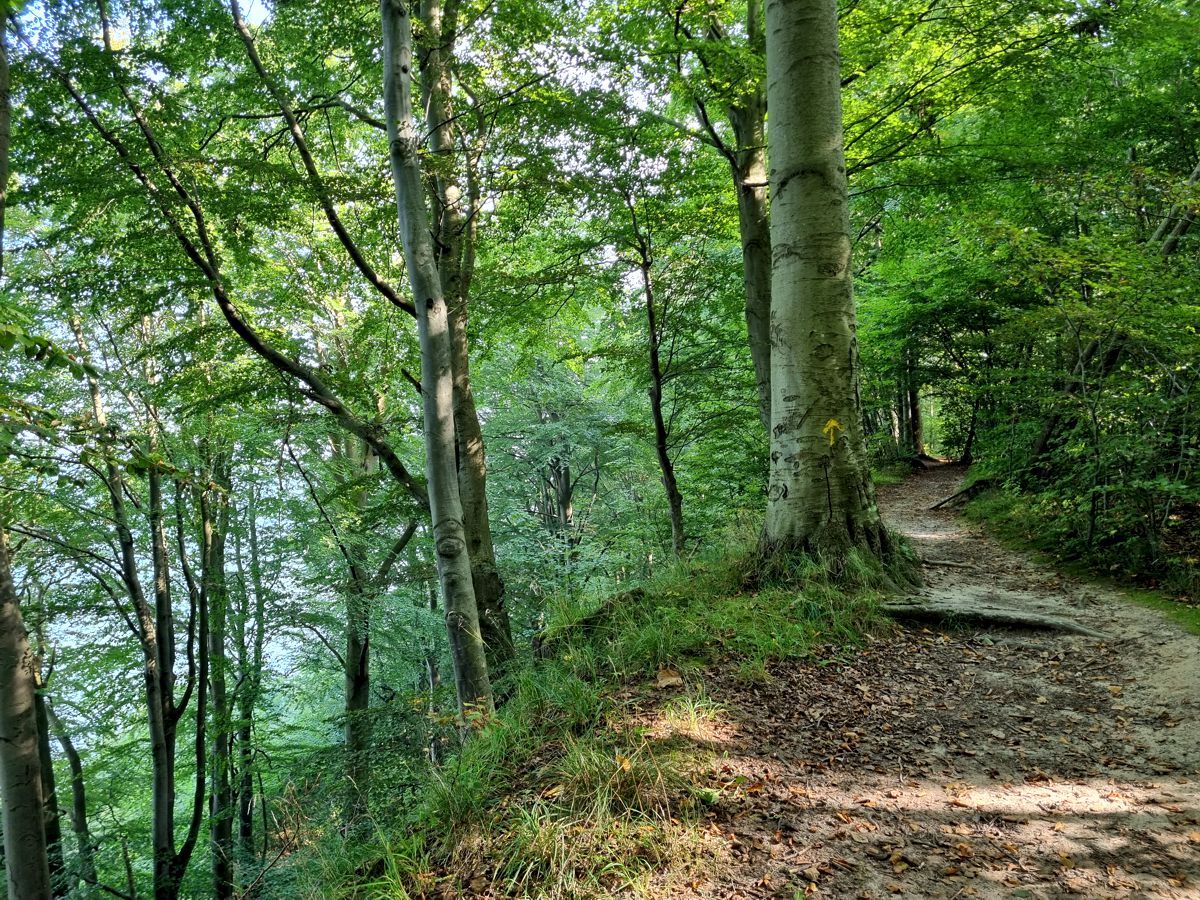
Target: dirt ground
(966, 763)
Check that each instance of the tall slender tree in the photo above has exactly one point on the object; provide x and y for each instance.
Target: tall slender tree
(437, 376)
(25, 850)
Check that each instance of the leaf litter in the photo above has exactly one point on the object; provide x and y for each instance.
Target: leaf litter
(961, 763)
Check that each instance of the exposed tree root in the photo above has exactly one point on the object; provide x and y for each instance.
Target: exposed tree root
(948, 563)
(967, 493)
(988, 616)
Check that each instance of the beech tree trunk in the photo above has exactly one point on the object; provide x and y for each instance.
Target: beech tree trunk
(437, 377)
(754, 227)
(821, 499)
(455, 224)
(25, 855)
(250, 662)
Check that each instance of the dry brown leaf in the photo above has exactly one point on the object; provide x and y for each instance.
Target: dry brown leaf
(668, 678)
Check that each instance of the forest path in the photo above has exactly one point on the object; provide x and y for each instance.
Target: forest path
(964, 763)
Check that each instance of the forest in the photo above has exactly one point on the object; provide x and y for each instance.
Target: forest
(617, 448)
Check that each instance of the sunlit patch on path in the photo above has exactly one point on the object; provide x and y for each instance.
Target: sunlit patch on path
(973, 763)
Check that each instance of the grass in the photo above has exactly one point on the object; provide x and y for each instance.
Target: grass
(1186, 614)
(558, 795)
(894, 473)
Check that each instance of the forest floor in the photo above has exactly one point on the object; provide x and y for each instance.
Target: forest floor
(969, 762)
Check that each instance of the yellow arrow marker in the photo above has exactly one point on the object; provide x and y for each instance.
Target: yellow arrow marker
(832, 427)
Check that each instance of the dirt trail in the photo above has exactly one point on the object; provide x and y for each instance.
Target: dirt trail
(969, 763)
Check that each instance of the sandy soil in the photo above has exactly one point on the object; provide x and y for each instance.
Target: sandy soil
(967, 763)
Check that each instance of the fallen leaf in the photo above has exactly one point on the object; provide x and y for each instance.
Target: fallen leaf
(668, 678)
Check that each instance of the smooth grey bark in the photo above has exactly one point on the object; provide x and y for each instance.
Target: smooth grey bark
(85, 868)
(455, 251)
(821, 498)
(25, 851)
(455, 223)
(437, 378)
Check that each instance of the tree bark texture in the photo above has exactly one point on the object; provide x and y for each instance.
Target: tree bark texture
(251, 663)
(437, 376)
(214, 523)
(455, 248)
(25, 851)
(820, 498)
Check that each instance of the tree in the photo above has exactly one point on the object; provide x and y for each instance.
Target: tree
(25, 850)
(20, 768)
(821, 499)
(437, 375)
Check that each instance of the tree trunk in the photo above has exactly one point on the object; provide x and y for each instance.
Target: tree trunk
(215, 527)
(916, 423)
(754, 227)
(26, 856)
(821, 499)
(665, 464)
(53, 818)
(494, 621)
(455, 247)
(86, 868)
(25, 851)
(160, 707)
(749, 164)
(250, 663)
(437, 377)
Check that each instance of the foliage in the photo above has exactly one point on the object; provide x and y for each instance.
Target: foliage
(560, 795)
(1012, 166)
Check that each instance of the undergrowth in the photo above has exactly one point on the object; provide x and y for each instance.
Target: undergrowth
(1039, 522)
(558, 794)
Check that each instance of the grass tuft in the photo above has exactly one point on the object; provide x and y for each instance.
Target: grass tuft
(558, 795)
